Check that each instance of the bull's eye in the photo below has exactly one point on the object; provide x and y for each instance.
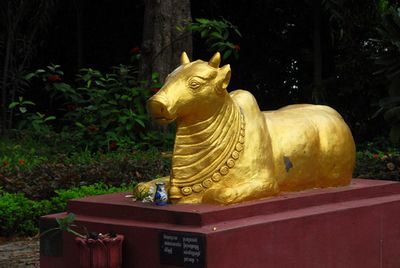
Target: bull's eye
(194, 83)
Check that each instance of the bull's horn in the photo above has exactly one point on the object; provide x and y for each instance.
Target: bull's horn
(215, 60)
(184, 58)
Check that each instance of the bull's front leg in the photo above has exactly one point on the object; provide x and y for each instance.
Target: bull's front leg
(235, 193)
(144, 189)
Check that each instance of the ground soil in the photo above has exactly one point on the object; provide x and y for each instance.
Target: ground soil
(19, 252)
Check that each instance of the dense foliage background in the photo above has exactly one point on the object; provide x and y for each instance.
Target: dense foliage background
(276, 62)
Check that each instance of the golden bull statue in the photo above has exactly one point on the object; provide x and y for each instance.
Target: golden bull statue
(228, 151)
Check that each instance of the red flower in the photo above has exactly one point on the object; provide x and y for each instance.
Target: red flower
(155, 90)
(93, 128)
(21, 162)
(135, 50)
(236, 47)
(376, 156)
(112, 146)
(71, 107)
(54, 78)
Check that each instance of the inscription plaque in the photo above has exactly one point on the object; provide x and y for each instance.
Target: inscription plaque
(182, 249)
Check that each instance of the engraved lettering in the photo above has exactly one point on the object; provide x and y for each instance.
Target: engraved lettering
(168, 250)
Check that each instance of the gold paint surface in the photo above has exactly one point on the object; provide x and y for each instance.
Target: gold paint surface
(228, 151)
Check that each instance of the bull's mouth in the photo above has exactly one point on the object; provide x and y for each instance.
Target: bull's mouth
(163, 120)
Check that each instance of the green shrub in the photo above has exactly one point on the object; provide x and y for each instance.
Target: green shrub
(102, 111)
(12, 212)
(378, 159)
(21, 155)
(60, 201)
(20, 215)
(46, 169)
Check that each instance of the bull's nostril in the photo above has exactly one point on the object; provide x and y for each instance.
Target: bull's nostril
(158, 108)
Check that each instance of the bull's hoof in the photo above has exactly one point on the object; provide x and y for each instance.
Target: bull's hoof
(221, 196)
(143, 191)
(139, 188)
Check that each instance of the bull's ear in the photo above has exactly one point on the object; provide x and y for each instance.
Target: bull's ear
(226, 71)
(224, 74)
(215, 60)
(184, 58)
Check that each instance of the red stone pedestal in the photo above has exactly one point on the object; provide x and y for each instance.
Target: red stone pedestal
(100, 253)
(353, 226)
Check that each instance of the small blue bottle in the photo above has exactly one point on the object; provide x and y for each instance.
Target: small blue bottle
(161, 196)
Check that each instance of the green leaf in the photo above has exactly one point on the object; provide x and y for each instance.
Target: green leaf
(29, 76)
(194, 27)
(22, 109)
(226, 54)
(140, 122)
(123, 119)
(80, 125)
(389, 102)
(51, 68)
(378, 112)
(229, 44)
(204, 33)
(237, 32)
(381, 71)
(126, 97)
(202, 21)
(155, 76)
(392, 75)
(86, 77)
(40, 115)
(63, 87)
(217, 35)
(13, 104)
(66, 222)
(99, 83)
(218, 45)
(49, 118)
(28, 103)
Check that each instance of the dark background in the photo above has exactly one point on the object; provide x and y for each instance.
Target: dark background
(276, 50)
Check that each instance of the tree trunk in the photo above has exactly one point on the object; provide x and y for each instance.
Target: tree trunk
(162, 42)
(21, 22)
(4, 95)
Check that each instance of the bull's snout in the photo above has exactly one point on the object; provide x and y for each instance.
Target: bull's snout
(158, 109)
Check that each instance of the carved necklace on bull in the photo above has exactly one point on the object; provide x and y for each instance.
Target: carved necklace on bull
(213, 146)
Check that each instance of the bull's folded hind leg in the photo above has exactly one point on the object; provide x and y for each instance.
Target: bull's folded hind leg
(249, 190)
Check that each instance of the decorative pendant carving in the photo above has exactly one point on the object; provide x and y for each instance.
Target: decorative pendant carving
(228, 142)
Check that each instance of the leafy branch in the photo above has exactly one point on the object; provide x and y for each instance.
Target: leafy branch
(216, 34)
